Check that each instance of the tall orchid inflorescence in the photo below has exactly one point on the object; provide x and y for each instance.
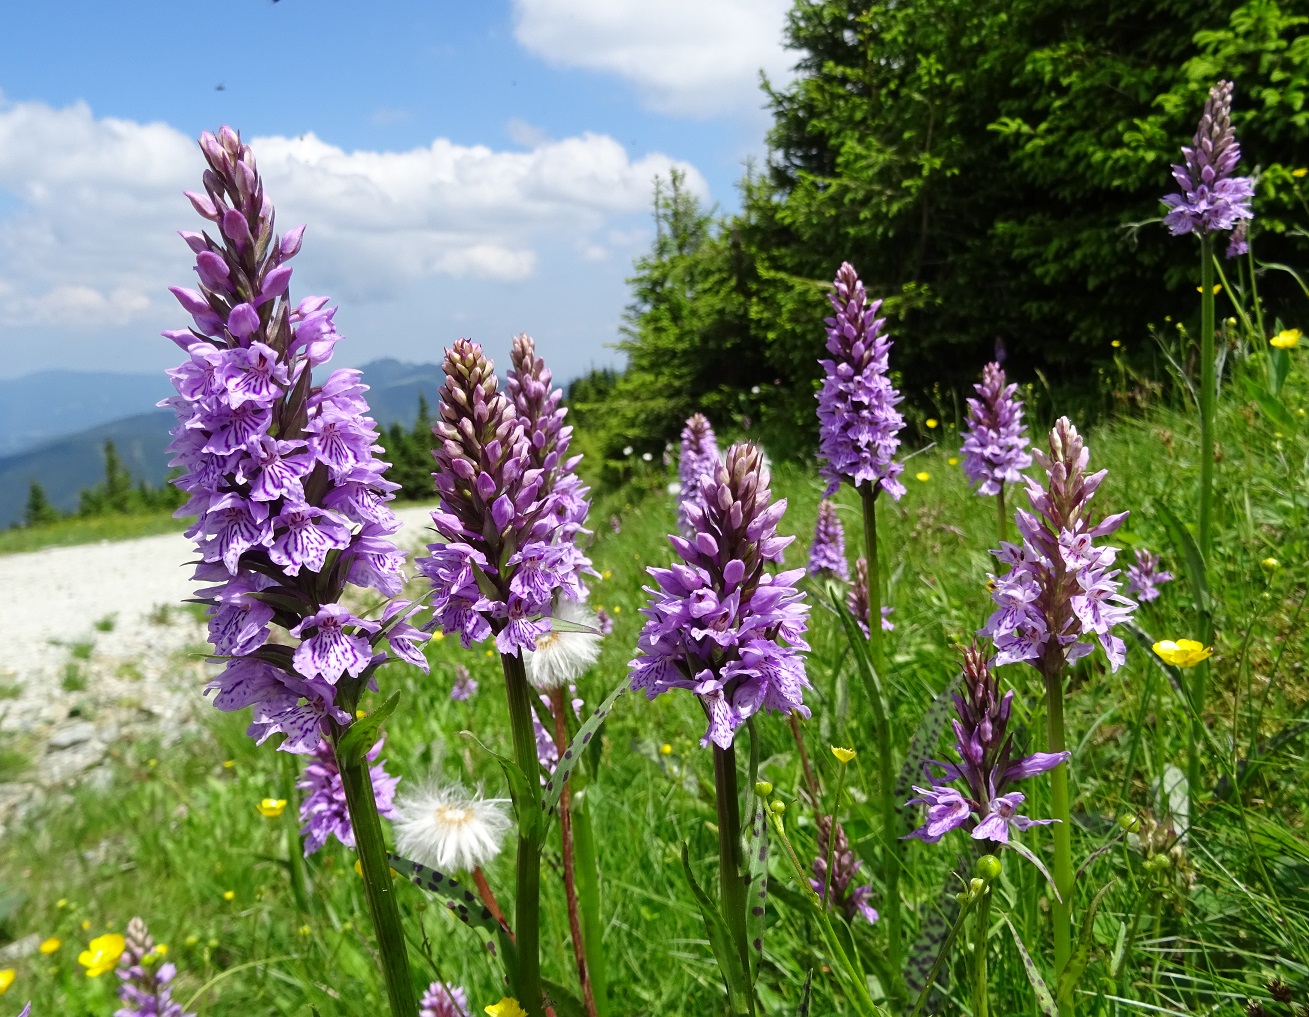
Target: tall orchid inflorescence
(985, 807)
(146, 977)
(1145, 576)
(698, 464)
(444, 1000)
(827, 552)
(324, 810)
(995, 440)
(718, 623)
(858, 420)
(1061, 589)
(856, 600)
(289, 495)
(846, 895)
(1213, 198)
(499, 565)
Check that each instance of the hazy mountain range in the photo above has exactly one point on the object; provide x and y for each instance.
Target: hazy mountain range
(53, 425)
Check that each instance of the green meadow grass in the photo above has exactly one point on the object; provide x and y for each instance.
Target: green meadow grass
(90, 530)
(176, 832)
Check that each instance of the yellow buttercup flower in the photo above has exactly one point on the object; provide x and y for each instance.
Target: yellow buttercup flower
(50, 945)
(1116, 343)
(360, 714)
(1183, 652)
(953, 461)
(606, 574)
(932, 423)
(62, 902)
(7, 977)
(844, 755)
(665, 749)
(507, 1007)
(1217, 289)
(271, 807)
(1287, 339)
(161, 949)
(228, 763)
(102, 954)
(437, 636)
(923, 475)
(1298, 173)
(229, 895)
(86, 924)
(1271, 564)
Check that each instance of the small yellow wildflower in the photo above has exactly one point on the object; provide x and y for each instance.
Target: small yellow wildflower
(305, 930)
(191, 940)
(489, 653)
(360, 714)
(7, 977)
(229, 895)
(1298, 173)
(1183, 653)
(507, 1007)
(50, 945)
(665, 749)
(228, 763)
(271, 807)
(1116, 343)
(932, 423)
(606, 574)
(1271, 564)
(1287, 339)
(437, 636)
(62, 902)
(923, 475)
(152, 762)
(161, 949)
(618, 609)
(1217, 288)
(359, 868)
(102, 954)
(86, 924)
(953, 461)
(844, 755)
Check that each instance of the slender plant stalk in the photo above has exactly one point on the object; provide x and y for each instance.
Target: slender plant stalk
(1061, 912)
(1254, 296)
(357, 782)
(1002, 517)
(731, 885)
(557, 707)
(981, 1001)
(833, 809)
(811, 782)
(488, 898)
(1208, 389)
(527, 899)
(891, 844)
(295, 851)
(588, 895)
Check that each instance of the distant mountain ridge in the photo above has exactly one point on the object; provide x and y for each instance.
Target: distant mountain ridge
(65, 463)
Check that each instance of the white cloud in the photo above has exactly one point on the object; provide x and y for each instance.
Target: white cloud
(520, 132)
(686, 57)
(92, 241)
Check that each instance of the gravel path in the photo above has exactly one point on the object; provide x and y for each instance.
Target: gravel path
(70, 687)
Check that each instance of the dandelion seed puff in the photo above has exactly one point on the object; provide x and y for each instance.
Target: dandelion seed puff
(448, 827)
(561, 657)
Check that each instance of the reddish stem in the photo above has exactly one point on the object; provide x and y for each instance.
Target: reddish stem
(488, 898)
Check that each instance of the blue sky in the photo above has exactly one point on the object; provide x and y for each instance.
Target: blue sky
(464, 168)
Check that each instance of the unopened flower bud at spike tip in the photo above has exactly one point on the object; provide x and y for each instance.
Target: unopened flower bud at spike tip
(1212, 198)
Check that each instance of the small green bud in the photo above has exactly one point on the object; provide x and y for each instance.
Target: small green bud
(976, 886)
(763, 789)
(778, 807)
(1129, 822)
(989, 867)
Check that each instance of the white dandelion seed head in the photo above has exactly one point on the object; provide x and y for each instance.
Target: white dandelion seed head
(448, 827)
(561, 657)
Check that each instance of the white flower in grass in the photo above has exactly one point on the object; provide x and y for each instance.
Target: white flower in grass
(447, 827)
(562, 656)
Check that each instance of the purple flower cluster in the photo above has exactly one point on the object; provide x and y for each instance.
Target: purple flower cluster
(852, 900)
(1061, 589)
(465, 686)
(145, 991)
(856, 600)
(1212, 199)
(288, 494)
(718, 623)
(547, 750)
(995, 441)
(1144, 577)
(985, 769)
(698, 464)
(324, 811)
(500, 514)
(1238, 244)
(444, 1000)
(859, 425)
(827, 552)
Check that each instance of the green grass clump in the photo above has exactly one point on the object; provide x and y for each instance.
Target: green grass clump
(176, 831)
(87, 530)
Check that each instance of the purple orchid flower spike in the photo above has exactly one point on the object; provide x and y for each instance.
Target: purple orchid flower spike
(324, 811)
(1212, 198)
(282, 474)
(853, 900)
(985, 806)
(718, 624)
(995, 440)
(444, 1000)
(827, 552)
(1145, 576)
(145, 990)
(697, 466)
(856, 600)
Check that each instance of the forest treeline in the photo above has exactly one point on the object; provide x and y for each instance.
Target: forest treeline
(993, 169)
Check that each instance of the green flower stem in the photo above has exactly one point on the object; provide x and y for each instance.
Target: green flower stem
(1061, 912)
(833, 809)
(1002, 516)
(891, 844)
(1208, 387)
(527, 899)
(357, 782)
(295, 852)
(731, 885)
(588, 897)
(982, 926)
